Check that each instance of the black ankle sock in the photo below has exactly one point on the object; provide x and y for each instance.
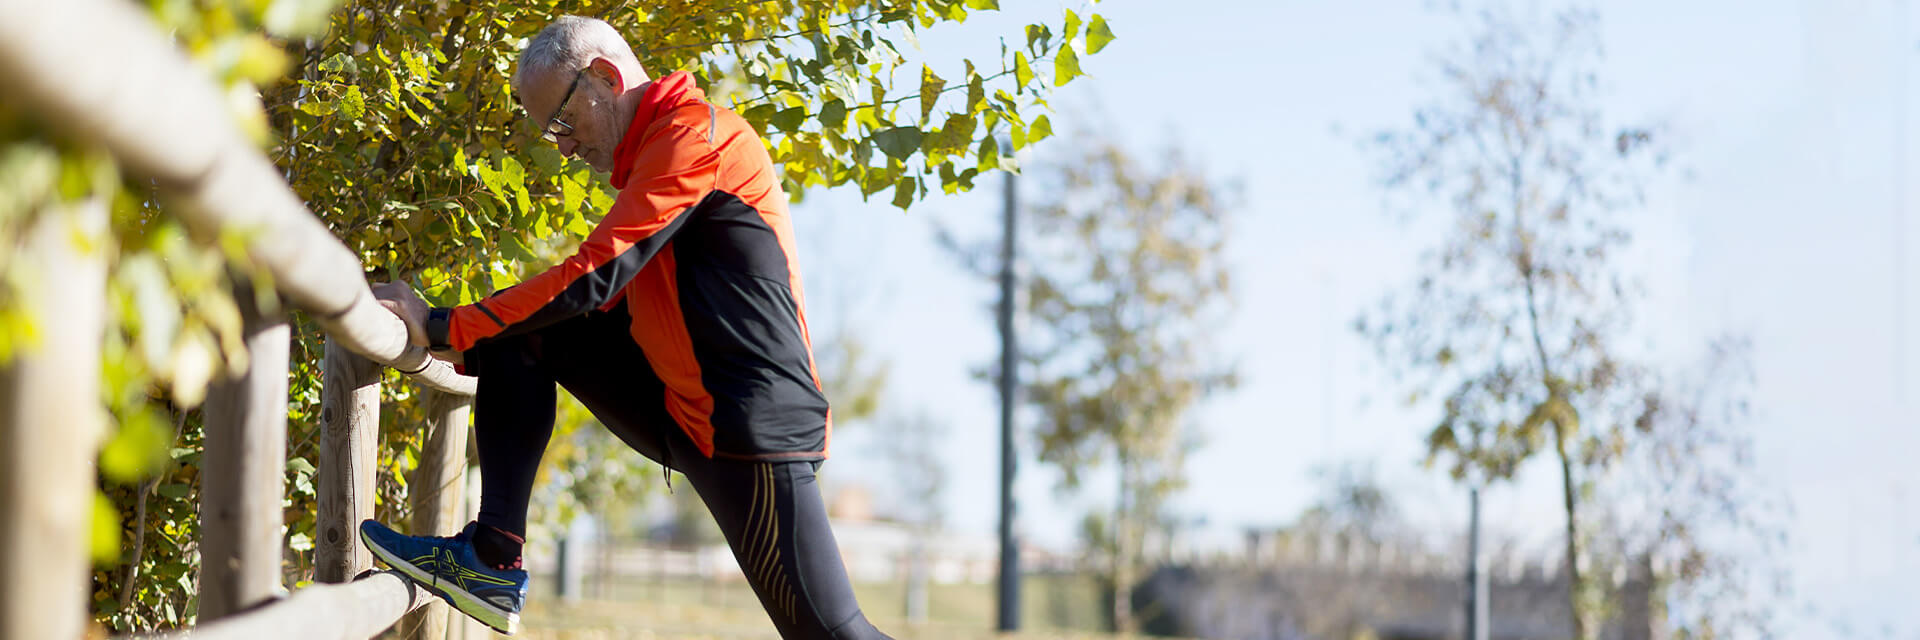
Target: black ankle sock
(496, 548)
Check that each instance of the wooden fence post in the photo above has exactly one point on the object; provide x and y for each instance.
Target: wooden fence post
(436, 489)
(243, 471)
(463, 627)
(349, 432)
(50, 420)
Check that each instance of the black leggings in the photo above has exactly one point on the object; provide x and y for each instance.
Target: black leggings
(771, 512)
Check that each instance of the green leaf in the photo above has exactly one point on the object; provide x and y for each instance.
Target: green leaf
(599, 198)
(543, 224)
(930, 87)
(989, 154)
(834, 113)
(571, 193)
(949, 181)
(904, 191)
(490, 179)
(417, 65)
(547, 159)
(1022, 72)
(318, 107)
(789, 120)
(874, 180)
(1066, 66)
(138, 449)
(172, 491)
(758, 115)
(976, 90)
(513, 179)
(899, 142)
(104, 541)
(1097, 34)
(514, 249)
(956, 133)
(1040, 130)
(983, 5)
(260, 61)
(352, 104)
(511, 171)
(1038, 38)
(1073, 26)
(340, 63)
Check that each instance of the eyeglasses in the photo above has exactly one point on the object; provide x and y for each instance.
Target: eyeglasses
(555, 127)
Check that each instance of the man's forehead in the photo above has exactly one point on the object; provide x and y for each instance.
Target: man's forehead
(540, 89)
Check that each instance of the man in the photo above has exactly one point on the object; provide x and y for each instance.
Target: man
(679, 323)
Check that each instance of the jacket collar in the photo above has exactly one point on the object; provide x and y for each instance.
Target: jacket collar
(662, 96)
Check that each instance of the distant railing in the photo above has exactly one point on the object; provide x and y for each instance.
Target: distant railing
(98, 72)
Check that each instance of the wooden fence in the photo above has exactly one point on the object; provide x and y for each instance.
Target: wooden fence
(98, 72)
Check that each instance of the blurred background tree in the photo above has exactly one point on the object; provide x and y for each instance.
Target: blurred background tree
(1520, 321)
(1125, 279)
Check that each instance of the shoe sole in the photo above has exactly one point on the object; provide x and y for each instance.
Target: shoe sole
(505, 622)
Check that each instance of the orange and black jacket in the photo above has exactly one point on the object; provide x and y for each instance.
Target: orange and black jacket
(699, 246)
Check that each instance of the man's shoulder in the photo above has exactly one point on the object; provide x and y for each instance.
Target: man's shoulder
(704, 121)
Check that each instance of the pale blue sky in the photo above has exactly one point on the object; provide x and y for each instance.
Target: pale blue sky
(1782, 223)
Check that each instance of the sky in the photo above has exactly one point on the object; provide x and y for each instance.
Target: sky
(1783, 221)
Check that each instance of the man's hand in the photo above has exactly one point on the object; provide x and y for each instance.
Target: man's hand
(403, 302)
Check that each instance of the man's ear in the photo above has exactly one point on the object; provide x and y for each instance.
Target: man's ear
(609, 73)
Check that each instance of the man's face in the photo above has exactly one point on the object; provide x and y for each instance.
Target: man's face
(589, 130)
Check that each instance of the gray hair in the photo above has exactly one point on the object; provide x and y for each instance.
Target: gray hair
(569, 44)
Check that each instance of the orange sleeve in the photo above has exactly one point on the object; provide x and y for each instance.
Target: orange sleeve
(676, 168)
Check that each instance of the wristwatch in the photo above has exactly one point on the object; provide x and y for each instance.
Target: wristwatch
(437, 330)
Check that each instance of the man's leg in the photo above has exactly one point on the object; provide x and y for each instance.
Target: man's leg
(478, 570)
(774, 519)
(595, 357)
(513, 411)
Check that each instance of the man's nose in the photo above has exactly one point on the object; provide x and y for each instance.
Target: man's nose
(567, 146)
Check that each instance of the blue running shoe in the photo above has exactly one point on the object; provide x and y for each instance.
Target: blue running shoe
(448, 568)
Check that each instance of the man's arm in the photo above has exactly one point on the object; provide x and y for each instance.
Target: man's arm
(675, 170)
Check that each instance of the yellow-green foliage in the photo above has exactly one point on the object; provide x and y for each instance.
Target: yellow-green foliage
(394, 123)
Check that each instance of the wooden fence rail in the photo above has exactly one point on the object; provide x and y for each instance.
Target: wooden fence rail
(353, 611)
(126, 88)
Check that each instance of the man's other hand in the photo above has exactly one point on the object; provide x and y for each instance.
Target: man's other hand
(403, 302)
(450, 356)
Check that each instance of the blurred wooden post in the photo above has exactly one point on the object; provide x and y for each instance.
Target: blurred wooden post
(349, 431)
(243, 470)
(462, 627)
(437, 488)
(50, 420)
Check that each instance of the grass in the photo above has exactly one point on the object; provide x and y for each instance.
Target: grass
(1052, 607)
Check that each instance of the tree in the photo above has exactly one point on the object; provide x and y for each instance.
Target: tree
(413, 101)
(393, 122)
(1352, 503)
(1688, 501)
(1518, 321)
(1127, 280)
(918, 469)
(1356, 512)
